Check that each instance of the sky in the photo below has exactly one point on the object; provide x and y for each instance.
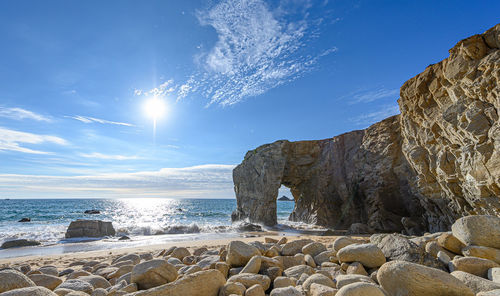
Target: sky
(76, 77)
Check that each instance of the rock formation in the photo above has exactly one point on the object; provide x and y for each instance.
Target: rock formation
(437, 161)
(89, 228)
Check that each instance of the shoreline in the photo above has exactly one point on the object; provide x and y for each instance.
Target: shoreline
(61, 260)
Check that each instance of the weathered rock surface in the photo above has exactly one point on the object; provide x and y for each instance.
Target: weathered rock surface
(153, 273)
(405, 278)
(31, 291)
(437, 161)
(89, 228)
(11, 279)
(19, 243)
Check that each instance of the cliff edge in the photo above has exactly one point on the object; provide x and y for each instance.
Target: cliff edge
(418, 171)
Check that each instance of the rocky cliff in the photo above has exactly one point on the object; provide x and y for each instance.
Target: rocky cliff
(421, 170)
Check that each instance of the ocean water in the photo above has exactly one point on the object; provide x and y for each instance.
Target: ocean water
(144, 220)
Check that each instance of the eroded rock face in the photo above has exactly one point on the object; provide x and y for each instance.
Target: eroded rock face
(451, 131)
(437, 161)
(357, 177)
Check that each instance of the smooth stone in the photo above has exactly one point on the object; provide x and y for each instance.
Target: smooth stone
(180, 253)
(11, 279)
(356, 268)
(232, 289)
(255, 290)
(324, 256)
(153, 273)
(475, 283)
(201, 283)
(361, 289)
(494, 274)
(321, 290)
(283, 281)
(482, 252)
(313, 249)
(253, 265)
(250, 279)
(49, 269)
(132, 257)
(474, 265)
(96, 281)
(343, 241)
(489, 293)
(239, 253)
(77, 285)
(318, 279)
(30, 291)
(480, 230)
(286, 291)
(294, 247)
(450, 243)
(346, 279)
(443, 257)
(297, 271)
(407, 278)
(367, 254)
(310, 261)
(48, 281)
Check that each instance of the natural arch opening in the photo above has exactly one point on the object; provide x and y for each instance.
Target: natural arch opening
(284, 204)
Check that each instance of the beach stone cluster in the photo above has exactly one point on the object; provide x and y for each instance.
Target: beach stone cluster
(463, 262)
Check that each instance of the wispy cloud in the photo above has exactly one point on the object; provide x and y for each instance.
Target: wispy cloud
(367, 96)
(20, 114)
(375, 116)
(197, 181)
(97, 155)
(87, 119)
(11, 140)
(258, 48)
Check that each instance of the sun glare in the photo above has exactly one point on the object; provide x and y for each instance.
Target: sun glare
(155, 108)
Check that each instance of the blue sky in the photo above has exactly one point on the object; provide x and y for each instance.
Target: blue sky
(75, 76)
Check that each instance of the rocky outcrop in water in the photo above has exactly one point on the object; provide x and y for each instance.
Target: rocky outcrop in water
(437, 161)
(90, 228)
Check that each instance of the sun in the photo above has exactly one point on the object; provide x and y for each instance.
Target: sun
(155, 108)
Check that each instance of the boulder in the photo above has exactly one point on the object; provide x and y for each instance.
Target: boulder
(248, 227)
(153, 273)
(367, 254)
(30, 291)
(321, 290)
(286, 291)
(294, 247)
(482, 252)
(297, 271)
(238, 253)
(494, 274)
(473, 265)
(11, 279)
(313, 249)
(253, 265)
(324, 257)
(489, 293)
(361, 289)
(344, 241)
(318, 279)
(48, 281)
(480, 230)
(232, 289)
(19, 243)
(96, 281)
(346, 279)
(180, 253)
(250, 279)
(255, 290)
(398, 247)
(49, 269)
(89, 228)
(450, 243)
(283, 281)
(135, 259)
(76, 285)
(475, 283)
(406, 278)
(201, 283)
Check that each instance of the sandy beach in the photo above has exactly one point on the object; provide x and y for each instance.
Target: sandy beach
(62, 261)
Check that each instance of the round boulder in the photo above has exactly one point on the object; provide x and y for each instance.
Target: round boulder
(480, 230)
(367, 254)
(31, 291)
(406, 278)
(361, 289)
(239, 253)
(153, 273)
(11, 279)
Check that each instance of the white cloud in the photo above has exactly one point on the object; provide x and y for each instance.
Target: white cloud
(258, 48)
(376, 116)
(198, 181)
(19, 114)
(367, 96)
(87, 119)
(98, 155)
(11, 140)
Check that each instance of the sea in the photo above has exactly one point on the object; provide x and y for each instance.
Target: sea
(146, 221)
